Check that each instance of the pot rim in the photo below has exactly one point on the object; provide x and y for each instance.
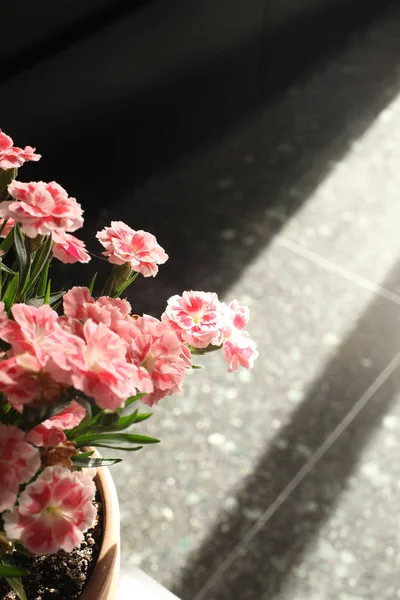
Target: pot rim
(106, 569)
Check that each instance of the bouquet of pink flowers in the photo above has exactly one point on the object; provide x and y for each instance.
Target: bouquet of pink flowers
(73, 363)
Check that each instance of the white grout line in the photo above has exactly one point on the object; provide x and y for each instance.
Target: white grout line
(334, 268)
(301, 475)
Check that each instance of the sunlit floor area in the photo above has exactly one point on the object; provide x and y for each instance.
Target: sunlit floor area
(284, 482)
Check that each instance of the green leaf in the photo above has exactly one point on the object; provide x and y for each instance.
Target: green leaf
(125, 422)
(143, 417)
(209, 348)
(20, 251)
(11, 292)
(40, 300)
(91, 284)
(124, 448)
(86, 454)
(56, 306)
(126, 284)
(133, 399)
(4, 268)
(38, 264)
(128, 420)
(42, 283)
(12, 571)
(7, 243)
(113, 440)
(47, 295)
(197, 367)
(80, 461)
(12, 575)
(9, 416)
(108, 420)
(17, 586)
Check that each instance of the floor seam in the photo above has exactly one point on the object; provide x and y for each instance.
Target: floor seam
(307, 468)
(344, 273)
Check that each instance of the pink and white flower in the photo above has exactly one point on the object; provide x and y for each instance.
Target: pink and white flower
(53, 512)
(19, 461)
(160, 358)
(31, 330)
(138, 248)
(41, 355)
(51, 431)
(19, 380)
(238, 316)
(41, 208)
(69, 249)
(11, 156)
(198, 318)
(240, 350)
(7, 227)
(98, 368)
(3, 314)
(238, 347)
(79, 304)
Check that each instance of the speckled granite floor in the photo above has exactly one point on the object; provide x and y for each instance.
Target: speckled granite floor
(296, 212)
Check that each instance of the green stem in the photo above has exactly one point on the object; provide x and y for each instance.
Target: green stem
(117, 277)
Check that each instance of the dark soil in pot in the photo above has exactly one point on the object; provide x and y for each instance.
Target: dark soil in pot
(61, 576)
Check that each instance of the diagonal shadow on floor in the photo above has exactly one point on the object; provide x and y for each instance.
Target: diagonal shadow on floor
(250, 181)
(281, 542)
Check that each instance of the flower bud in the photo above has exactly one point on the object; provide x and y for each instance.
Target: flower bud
(6, 547)
(6, 177)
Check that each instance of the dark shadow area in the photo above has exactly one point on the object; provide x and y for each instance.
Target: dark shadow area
(145, 127)
(27, 56)
(214, 210)
(261, 571)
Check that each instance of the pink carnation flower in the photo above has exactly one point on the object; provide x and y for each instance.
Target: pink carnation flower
(238, 348)
(7, 228)
(41, 208)
(51, 431)
(11, 156)
(238, 316)
(98, 368)
(68, 249)
(31, 331)
(198, 318)
(79, 304)
(3, 314)
(42, 352)
(19, 461)
(138, 248)
(159, 356)
(18, 381)
(53, 512)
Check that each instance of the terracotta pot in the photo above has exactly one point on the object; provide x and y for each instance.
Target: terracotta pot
(103, 581)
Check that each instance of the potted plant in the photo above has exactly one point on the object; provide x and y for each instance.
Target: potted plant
(74, 365)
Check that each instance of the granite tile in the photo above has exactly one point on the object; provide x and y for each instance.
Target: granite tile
(351, 217)
(214, 209)
(188, 501)
(337, 535)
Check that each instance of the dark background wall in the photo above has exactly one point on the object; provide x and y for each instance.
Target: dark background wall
(142, 82)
